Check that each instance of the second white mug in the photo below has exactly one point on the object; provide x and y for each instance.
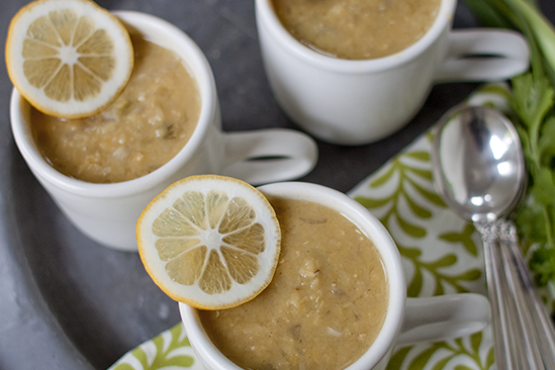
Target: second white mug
(354, 102)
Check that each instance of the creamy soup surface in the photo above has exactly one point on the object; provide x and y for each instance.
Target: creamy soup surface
(325, 305)
(144, 128)
(357, 29)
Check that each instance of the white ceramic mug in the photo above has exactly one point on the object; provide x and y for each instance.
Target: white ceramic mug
(353, 102)
(107, 213)
(408, 320)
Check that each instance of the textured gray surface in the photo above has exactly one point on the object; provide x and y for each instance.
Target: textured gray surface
(69, 303)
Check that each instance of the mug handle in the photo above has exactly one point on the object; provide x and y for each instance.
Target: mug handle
(483, 55)
(444, 317)
(269, 155)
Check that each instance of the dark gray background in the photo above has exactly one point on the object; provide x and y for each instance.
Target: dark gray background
(69, 303)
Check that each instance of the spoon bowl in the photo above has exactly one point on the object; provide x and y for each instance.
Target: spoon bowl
(479, 167)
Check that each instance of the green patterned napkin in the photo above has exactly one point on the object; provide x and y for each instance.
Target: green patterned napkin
(441, 254)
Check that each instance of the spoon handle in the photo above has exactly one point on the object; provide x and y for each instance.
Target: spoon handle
(505, 350)
(529, 302)
(528, 356)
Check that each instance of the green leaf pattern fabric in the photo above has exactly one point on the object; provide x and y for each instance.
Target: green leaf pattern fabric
(441, 254)
(170, 350)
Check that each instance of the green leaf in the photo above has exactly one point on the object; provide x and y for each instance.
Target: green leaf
(418, 210)
(433, 197)
(441, 364)
(421, 155)
(423, 358)
(411, 253)
(410, 229)
(396, 361)
(372, 203)
(530, 221)
(123, 366)
(425, 174)
(525, 141)
(446, 261)
(525, 100)
(164, 358)
(465, 238)
(140, 355)
(543, 188)
(415, 286)
(543, 262)
(177, 361)
(476, 341)
(490, 359)
(451, 237)
(470, 275)
(383, 178)
(546, 142)
(545, 101)
(439, 289)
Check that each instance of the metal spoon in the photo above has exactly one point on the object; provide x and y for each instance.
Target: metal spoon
(480, 173)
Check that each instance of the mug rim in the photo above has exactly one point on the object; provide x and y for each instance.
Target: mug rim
(267, 18)
(196, 64)
(369, 224)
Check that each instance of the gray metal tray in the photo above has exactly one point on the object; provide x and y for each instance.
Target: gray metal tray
(69, 303)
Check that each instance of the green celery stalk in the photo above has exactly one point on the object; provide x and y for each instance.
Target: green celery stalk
(488, 14)
(542, 29)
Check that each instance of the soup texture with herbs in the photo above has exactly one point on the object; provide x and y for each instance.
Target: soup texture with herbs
(325, 306)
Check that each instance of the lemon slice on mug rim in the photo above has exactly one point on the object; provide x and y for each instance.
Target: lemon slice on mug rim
(68, 58)
(210, 241)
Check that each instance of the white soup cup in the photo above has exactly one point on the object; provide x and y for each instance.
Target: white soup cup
(408, 320)
(107, 213)
(354, 102)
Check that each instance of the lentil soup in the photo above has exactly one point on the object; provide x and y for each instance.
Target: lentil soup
(147, 125)
(323, 309)
(357, 29)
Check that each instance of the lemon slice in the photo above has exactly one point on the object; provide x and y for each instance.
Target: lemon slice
(68, 58)
(209, 241)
